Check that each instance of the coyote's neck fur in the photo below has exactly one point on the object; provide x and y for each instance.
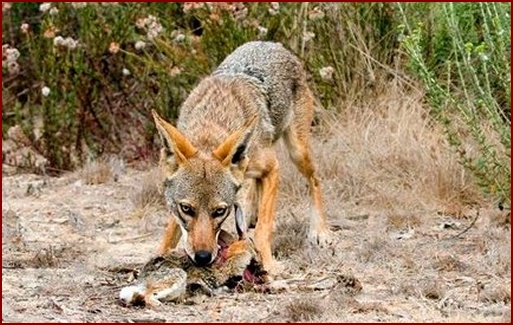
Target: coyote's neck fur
(218, 106)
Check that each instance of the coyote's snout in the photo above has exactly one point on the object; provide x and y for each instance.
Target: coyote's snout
(221, 158)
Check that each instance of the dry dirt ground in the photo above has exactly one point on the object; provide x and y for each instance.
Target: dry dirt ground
(60, 238)
(68, 246)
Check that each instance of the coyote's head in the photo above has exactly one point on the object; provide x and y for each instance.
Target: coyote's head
(201, 187)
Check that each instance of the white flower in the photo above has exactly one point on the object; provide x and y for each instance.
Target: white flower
(140, 22)
(308, 36)
(126, 72)
(13, 67)
(5, 47)
(154, 27)
(239, 11)
(65, 42)
(12, 54)
(187, 6)
(6, 6)
(316, 14)
(179, 38)
(54, 11)
(175, 71)
(262, 31)
(77, 5)
(45, 6)
(152, 33)
(139, 45)
(484, 57)
(151, 25)
(58, 41)
(326, 73)
(274, 8)
(114, 47)
(24, 28)
(71, 43)
(45, 91)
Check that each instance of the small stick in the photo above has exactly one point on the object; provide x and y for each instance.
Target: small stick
(466, 229)
(115, 241)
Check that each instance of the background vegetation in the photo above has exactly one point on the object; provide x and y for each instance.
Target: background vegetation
(79, 79)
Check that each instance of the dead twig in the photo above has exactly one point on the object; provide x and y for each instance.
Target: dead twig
(145, 320)
(115, 241)
(443, 240)
(464, 230)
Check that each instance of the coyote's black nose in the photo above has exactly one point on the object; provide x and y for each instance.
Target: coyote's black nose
(202, 258)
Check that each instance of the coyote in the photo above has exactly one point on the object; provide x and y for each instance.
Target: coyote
(221, 157)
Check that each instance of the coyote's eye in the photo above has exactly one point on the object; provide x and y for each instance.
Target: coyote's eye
(187, 209)
(219, 212)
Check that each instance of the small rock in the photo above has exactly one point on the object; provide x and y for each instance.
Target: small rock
(404, 234)
(450, 225)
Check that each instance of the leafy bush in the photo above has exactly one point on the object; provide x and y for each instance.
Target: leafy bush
(463, 62)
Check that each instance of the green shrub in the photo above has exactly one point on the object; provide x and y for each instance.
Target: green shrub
(464, 65)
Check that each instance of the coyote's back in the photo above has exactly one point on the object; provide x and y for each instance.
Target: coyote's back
(277, 71)
(270, 77)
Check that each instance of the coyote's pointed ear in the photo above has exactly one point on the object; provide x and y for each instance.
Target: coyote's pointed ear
(175, 144)
(233, 150)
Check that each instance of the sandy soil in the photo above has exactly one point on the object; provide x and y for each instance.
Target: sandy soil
(68, 248)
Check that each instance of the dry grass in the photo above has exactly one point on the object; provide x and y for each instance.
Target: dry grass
(496, 294)
(289, 238)
(148, 193)
(302, 310)
(448, 263)
(363, 308)
(399, 221)
(431, 289)
(45, 257)
(148, 201)
(501, 218)
(386, 156)
(101, 171)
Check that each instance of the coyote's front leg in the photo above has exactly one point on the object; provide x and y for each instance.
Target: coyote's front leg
(266, 210)
(171, 237)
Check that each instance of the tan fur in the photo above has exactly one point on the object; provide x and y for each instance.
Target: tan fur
(203, 236)
(224, 141)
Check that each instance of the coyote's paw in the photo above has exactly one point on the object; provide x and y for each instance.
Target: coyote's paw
(274, 268)
(322, 238)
